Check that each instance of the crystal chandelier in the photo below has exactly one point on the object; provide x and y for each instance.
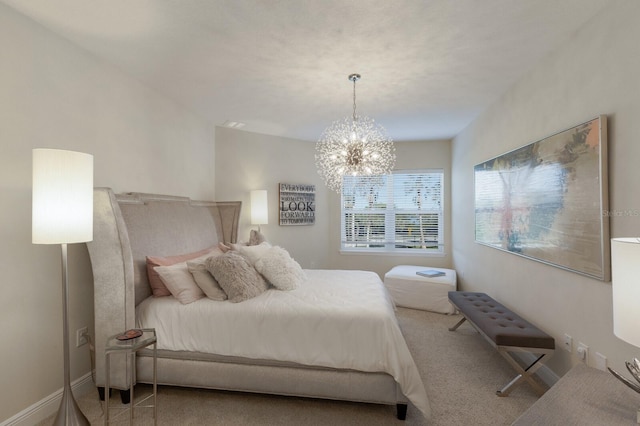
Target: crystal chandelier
(355, 146)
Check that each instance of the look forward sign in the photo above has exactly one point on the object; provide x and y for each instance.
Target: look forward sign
(297, 204)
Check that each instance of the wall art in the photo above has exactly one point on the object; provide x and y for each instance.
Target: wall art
(547, 201)
(297, 204)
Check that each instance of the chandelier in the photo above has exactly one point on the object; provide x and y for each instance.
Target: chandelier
(355, 146)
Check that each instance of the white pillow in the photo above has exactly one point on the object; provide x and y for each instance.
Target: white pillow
(280, 269)
(180, 282)
(252, 253)
(205, 281)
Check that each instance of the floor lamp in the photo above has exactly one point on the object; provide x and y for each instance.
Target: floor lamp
(62, 213)
(625, 273)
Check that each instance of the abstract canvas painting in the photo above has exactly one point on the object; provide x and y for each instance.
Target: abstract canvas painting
(547, 201)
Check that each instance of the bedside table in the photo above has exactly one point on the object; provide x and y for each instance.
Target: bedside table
(130, 347)
(583, 396)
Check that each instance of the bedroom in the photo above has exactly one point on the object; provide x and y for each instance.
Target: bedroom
(131, 129)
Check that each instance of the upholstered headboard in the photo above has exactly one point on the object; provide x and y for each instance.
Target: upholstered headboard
(127, 228)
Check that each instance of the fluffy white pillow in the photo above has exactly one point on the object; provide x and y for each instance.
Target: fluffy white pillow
(280, 269)
(252, 253)
(180, 282)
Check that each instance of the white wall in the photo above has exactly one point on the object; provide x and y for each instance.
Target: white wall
(55, 95)
(246, 161)
(597, 72)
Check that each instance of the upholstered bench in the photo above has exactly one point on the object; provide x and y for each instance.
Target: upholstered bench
(506, 331)
(411, 290)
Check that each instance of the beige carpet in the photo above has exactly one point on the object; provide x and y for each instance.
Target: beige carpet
(460, 370)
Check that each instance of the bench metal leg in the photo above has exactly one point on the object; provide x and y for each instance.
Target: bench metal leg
(507, 388)
(455, 327)
(524, 373)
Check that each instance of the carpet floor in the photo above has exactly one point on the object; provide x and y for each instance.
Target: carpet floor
(460, 370)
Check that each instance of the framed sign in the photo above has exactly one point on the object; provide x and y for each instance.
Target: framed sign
(547, 201)
(297, 204)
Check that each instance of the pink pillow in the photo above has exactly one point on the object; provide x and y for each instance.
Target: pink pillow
(157, 286)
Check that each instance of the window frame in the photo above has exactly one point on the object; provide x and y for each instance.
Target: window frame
(390, 221)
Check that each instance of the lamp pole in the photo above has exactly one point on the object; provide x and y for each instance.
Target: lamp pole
(69, 413)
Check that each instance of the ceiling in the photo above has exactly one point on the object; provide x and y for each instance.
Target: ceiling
(428, 67)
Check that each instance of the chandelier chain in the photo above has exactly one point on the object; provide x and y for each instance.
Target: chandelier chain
(354, 99)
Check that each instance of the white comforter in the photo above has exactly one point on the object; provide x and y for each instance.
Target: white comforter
(340, 319)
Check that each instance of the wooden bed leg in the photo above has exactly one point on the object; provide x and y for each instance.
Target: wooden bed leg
(101, 392)
(125, 396)
(402, 411)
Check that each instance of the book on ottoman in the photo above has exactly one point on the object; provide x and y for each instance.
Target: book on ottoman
(431, 273)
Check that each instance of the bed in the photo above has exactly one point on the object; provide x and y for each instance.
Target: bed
(335, 336)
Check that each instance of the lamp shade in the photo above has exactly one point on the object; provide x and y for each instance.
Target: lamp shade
(62, 205)
(259, 209)
(625, 273)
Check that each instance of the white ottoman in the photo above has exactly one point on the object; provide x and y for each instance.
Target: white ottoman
(414, 291)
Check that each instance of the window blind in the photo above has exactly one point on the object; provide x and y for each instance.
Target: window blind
(397, 212)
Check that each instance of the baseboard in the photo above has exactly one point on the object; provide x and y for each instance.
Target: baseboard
(50, 404)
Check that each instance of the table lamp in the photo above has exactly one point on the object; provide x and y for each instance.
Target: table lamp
(62, 213)
(259, 207)
(625, 280)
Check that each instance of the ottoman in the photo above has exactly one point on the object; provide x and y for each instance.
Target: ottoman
(414, 291)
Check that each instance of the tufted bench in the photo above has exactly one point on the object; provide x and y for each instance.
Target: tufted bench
(506, 331)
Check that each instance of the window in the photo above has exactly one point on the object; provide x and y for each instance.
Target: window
(400, 212)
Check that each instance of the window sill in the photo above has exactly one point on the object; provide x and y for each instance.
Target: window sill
(390, 253)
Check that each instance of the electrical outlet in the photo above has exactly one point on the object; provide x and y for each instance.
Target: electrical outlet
(568, 343)
(81, 337)
(583, 352)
